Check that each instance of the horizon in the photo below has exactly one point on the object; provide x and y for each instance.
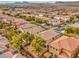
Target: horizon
(35, 1)
(39, 0)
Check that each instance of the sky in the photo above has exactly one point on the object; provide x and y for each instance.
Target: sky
(39, 0)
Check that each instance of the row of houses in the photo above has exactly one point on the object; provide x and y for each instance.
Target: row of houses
(58, 20)
(6, 51)
(59, 44)
(62, 46)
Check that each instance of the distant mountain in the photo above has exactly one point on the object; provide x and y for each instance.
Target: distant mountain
(39, 3)
(67, 2)
(24, 2)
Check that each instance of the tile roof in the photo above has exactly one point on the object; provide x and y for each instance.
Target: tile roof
(34, 30)
(48, 34)
(68, 43)
(63, 55)
(47, 54)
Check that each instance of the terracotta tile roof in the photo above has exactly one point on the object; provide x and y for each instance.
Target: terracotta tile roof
(47, 54)
(69, 43)
(48, 34)
(63, 55)
(34, 30)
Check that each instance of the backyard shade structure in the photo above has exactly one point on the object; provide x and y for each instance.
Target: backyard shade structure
(65, 45)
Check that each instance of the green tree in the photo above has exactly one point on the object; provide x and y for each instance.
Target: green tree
(38, 20)
(71, 18)
(71, 30)
(1, 25)
(17, 41)
(37, 45)
(22, 16)
(10, 32)
(27, 37)
(77, 16)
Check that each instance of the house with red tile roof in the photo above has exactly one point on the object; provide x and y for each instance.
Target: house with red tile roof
(64, 46)
(49, 35)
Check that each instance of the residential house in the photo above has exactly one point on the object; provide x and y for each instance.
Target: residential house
(49, 35)
(58, 20)
(64, 46)
(34, 29)
(54, 22)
